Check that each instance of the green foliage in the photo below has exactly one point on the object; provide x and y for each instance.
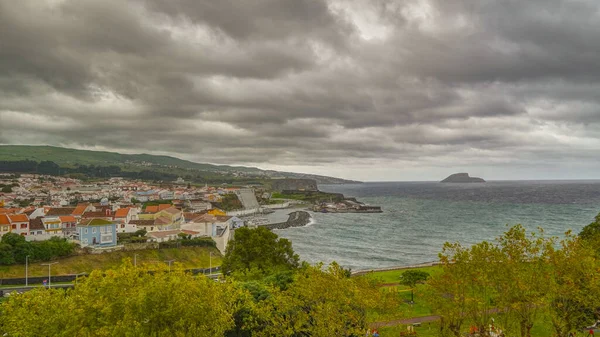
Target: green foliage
(258, 252)
(592, 230)
(14, 249)
(412, 277)
(125, 302)
(229, 202)
(6, 189)
(318, 303)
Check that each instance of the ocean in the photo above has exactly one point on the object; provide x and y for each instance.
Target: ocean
(418, 217)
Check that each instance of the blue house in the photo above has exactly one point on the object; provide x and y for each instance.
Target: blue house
(97, 233)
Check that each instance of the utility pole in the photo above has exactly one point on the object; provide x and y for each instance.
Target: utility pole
(26, 270)
(49, 272)
(169, 262)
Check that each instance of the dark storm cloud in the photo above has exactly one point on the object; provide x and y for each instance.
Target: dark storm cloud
(428, 83)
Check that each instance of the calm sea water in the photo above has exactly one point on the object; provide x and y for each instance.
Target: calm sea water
(420, 216)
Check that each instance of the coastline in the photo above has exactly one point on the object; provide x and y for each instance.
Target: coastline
(412, 266)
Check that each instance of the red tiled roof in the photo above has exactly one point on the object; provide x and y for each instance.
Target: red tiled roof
(151, 209)
(163, 220)
(36, 224)
(163, 206)
(95, 215)
(4, 219)
(142, 222)
(121, 212)
(68, 218)
(57, 211)
(172, 210)
(78, 211)
(19, 218)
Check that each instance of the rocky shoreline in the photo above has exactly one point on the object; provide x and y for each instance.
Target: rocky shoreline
(295, 219)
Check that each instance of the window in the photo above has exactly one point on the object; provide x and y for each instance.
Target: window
(14, 226)
(39, 232)
(94, 230)
(86, 231)
(85, 241)
(23, 226)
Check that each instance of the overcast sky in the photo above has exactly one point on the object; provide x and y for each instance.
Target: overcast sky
(369, 90)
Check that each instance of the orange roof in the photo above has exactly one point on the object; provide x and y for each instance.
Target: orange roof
(67, 218)
(8, 210)
(19, 218)
(79, 210)
(151, 209)
(163, 206)
(121, 212)
(4, 220)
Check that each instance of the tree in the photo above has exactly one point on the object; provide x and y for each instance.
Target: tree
(592, 230)
(125, 302)
(411, 278)
(7, 189)
(255, 253)
(318, 303)
(521, 277)
(574, 283)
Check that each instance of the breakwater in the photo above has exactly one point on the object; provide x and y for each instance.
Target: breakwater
(295, 219)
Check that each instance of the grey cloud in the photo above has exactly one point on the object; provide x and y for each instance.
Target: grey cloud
(300, 82)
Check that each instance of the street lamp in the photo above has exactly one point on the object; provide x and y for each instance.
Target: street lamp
(49, 272)
(169, 262)
(26, 270)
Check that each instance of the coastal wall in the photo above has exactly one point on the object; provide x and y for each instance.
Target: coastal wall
(295, 219)
(425, 264)
(244, 212)
(278, 206)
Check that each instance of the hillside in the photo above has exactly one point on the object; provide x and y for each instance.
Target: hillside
(66, 157)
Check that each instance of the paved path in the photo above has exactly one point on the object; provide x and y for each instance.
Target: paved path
(413, 320)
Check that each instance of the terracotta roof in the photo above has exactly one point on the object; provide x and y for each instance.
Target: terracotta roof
(4, 219)
(151, 209)
(189, 232)
(94, 215)
(57, 211)
(163, 220)
(19, 218)
(206, 218)
(95, 222)
(78, 211)
(163, 206)
(142, 222)
(67, 218)
(36, 224)
(223, 218)
(172, 210)
(163, 234)
(121, 212)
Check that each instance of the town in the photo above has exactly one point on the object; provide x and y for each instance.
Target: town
(102, 215)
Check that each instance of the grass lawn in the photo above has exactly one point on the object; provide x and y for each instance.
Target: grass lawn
(393, 276)
(187, 257)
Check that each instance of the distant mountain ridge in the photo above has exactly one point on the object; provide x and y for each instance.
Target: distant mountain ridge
(71, 157)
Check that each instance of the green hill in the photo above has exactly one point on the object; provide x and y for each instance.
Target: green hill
(69, 158)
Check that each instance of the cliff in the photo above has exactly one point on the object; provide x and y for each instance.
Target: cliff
(280, 185)
(462, 178)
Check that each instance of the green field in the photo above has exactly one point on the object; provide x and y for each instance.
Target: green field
(187, 257)
(542, 327)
